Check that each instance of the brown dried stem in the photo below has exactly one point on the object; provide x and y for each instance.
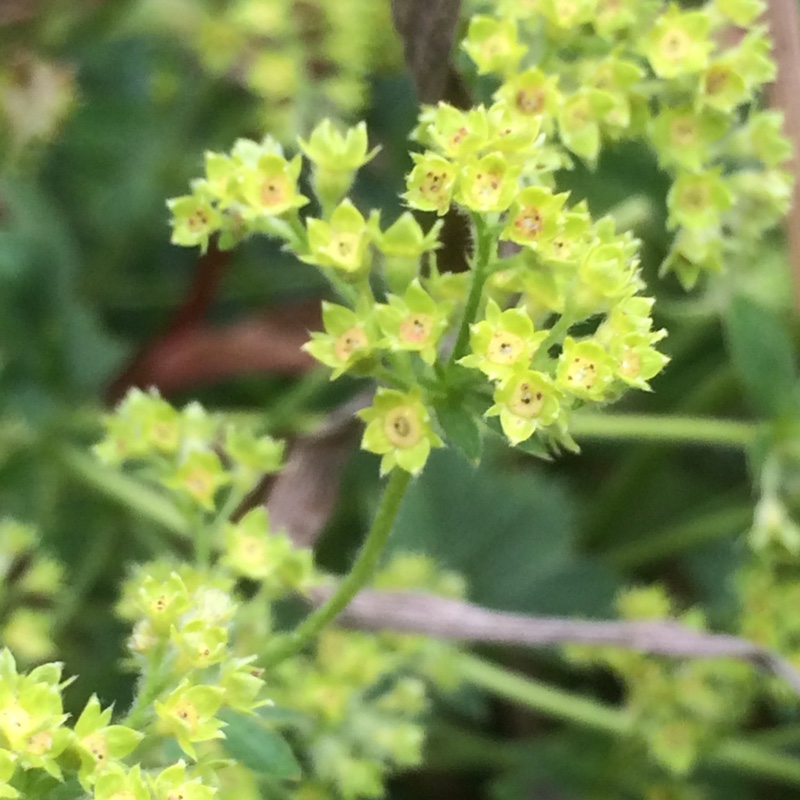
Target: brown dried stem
(445, 618)
(784, 23)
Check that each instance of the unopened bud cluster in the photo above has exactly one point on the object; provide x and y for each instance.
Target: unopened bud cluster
(680, 709)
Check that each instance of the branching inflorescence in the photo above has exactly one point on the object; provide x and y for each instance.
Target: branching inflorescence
(550, 316)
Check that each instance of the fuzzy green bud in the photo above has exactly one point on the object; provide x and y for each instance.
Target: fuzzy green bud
(336, 158)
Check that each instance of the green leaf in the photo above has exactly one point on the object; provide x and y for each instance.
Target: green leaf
(762, 353)
(509, 530)
(461, 429)
(257, 747)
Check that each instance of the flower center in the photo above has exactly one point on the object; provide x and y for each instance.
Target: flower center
(274, 190)
(402, 427)
(252, 549)
(529, 222)
(350, 341)
(675, 44)
(40, 742)
(486, 188)
(683, 131)
(582, 372)
(566, 9)
(529, 101)
(496, 45)
(344, 246)
(526, 401)
(416, 328)
(187, 714)
(459, 135)
(97, 745)
(14, 722)
(434, 184)
(717, 79)
(199, 483)
(504, 348)
(630, 364)
(695, 197)
(580, 113)
(198, 220)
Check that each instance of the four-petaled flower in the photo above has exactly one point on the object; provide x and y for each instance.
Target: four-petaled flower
(399, 429)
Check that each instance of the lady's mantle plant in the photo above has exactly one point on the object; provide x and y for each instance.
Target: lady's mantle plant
(449, 352)
(551, 316)
(211, 695)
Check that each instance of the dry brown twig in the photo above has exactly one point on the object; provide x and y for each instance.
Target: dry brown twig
(445, 618)
(784, 23)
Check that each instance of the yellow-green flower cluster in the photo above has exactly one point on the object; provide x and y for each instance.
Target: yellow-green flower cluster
(293, 57)
(540, 268)
(359, 697)
(680, 710)
(184, 633)
(188, 452)
(29, 585)
(39, 751)
(665, 75)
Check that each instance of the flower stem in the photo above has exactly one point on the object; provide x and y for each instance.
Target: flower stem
(738, 755)
(358, 576)
(149, 689)
(540, 697)
(667, 429)
(129, 492)
(675, 539)
(483, 256)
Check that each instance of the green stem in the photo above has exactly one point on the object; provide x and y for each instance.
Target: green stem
(678, 538)
(483, 256)
(156, 680)
(295, 400)
(667, 429)
(129, 492)
(739, 755)
(347, 292)
(358, 576)
(546, 699)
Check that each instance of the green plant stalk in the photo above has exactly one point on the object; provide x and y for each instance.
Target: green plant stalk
(666, 429)
(348, 587)
(679, 538)
(140, 499)
(736, 754)
(480, 272)
(149, 689)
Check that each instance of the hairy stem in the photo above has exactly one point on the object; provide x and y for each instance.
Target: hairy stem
(484, 239)
(361, 572)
